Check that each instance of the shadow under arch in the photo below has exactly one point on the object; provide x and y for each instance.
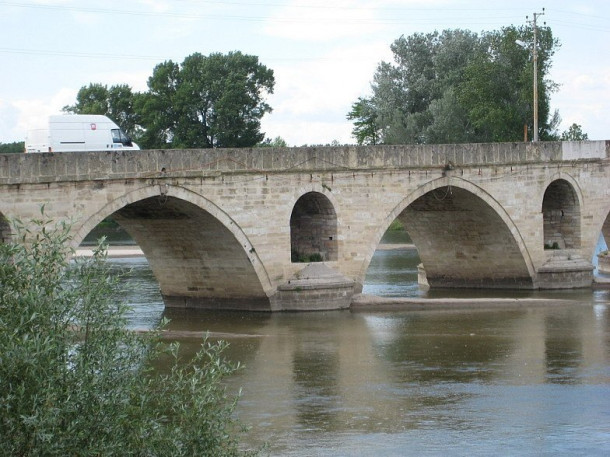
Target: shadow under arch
(463, 235)
(313, 229)
(561, 212)
(198, 254)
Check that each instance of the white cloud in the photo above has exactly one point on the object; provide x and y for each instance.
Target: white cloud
(8, 119)
(322, 21)
(17, 116)
(299, 133)
(20, 115)
(157, 6)
(584, 99)
(136, 80)
(312, 98)
(53, 2)
(336, 79)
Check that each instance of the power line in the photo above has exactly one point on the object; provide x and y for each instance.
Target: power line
(582, 26)
(319, 7)
(47, 52)
(78, 54)
(176, 15)
(590, 16)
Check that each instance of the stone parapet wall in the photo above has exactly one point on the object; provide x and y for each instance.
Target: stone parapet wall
(91, 166)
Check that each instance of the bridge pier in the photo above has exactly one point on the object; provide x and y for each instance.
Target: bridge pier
(315, 287)
(227, 228)
(565, 270)
(217, 303)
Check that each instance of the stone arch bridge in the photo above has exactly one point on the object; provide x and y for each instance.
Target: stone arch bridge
(226, 228)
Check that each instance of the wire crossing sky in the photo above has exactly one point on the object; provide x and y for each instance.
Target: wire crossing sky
(324, 54)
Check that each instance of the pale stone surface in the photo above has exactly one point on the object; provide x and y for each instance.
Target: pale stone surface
(604, 263)
(215, 224)
(363, 302)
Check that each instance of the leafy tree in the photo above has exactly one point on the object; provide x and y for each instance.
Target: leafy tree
(365, 121)
(426, 67)
(159, 106)
(75, 381)
(497, 89)
(277, 142)
(207, 101)
(17, 146)
(449, 120)
(91, 99)
(457, 86)
(116, 102)
(574, 133)
(121, 104)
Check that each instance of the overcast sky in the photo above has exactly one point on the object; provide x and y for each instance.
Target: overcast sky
(324, 53)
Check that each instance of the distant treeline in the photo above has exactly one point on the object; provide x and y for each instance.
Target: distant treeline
(17, 146)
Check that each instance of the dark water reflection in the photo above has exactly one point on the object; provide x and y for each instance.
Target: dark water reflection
(509, 382)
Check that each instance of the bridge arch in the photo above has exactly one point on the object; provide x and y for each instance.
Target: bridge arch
(199, 255)
(313, 229)
(464, 237)
(561, 213)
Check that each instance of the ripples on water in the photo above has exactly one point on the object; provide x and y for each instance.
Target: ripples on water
(506, 382)
(140, 290)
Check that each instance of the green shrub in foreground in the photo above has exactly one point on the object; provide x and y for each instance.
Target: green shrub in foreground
(75, 381)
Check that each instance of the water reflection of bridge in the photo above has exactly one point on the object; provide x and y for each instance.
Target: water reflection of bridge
(342, 372)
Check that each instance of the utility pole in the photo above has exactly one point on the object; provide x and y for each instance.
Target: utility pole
(535, 58)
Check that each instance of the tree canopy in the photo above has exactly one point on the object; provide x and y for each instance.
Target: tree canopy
(206, 101)
(574, 133)
(17, 146)
(364, 116)
(458, 86)
(116, 102)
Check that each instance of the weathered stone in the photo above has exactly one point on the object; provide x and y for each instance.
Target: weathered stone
(216, 227)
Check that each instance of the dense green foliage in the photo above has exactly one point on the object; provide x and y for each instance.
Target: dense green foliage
(366, 130)
(396, 225)
(116, 102)
(207, 101)
(574, 133)
(17, 146)
(298, 257)
(75, 381)
(456, 87)
(277, 142)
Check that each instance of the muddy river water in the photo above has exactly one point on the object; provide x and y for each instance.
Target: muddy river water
(520, 381)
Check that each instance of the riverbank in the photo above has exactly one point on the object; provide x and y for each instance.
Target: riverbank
(113, 251)
(395, 247)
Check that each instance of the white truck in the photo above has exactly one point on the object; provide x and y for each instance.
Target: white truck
(78, 133)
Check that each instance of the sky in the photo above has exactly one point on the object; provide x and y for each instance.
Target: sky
(323, 53)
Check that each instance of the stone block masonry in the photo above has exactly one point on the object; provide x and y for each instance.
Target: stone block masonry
(219, 226)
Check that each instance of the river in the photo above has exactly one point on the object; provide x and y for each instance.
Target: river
(466, 382)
